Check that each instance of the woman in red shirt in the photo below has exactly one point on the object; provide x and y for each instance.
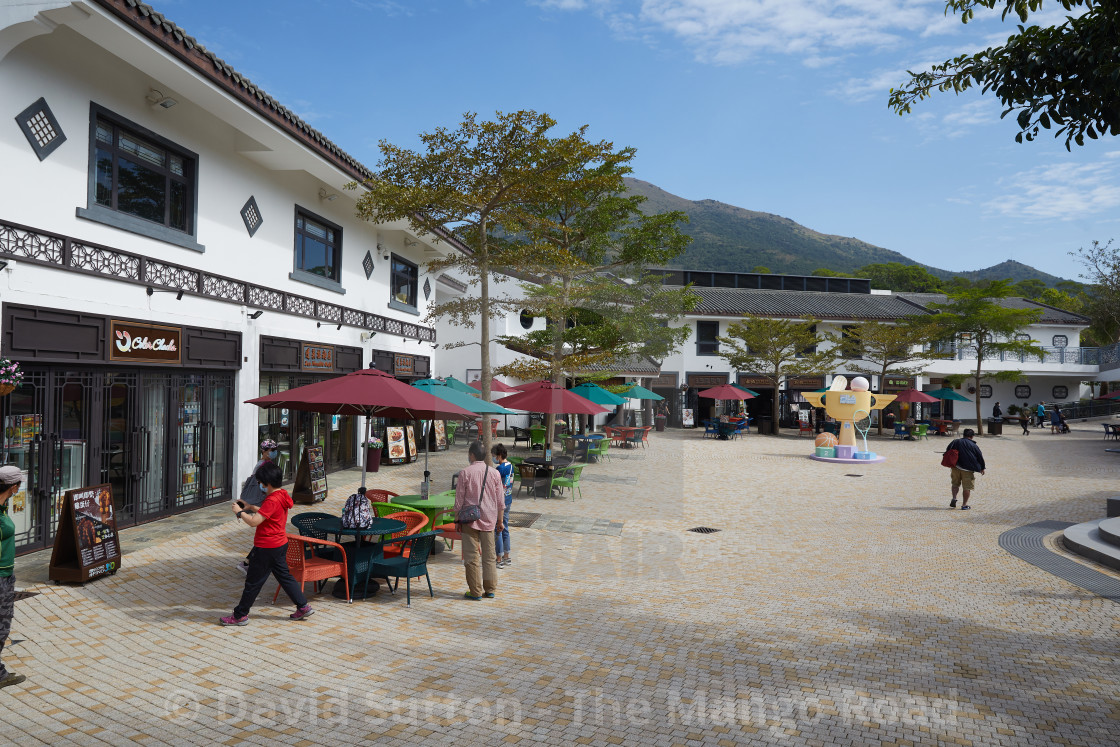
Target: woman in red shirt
(270, 548)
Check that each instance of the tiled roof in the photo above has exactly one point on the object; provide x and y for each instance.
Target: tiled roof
(804, 304)
(184, 46)
(633, 364)
(1050, 314)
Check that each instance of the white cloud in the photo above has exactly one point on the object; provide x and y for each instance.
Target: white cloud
(1060, 191)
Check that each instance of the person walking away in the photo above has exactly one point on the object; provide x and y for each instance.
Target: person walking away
(970, 460)
(501, 530)
(1055, 421)
(251, 494)
(479, 486)
(1025, 419)
(1040, 413)
(10, 479)
(270, 548)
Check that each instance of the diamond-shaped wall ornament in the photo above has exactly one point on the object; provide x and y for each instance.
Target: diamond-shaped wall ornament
(427, 289)
(41, 128)
(367, 264)
(251, 214)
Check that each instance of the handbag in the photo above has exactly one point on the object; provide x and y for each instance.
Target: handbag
(950, 457)
(472, 513)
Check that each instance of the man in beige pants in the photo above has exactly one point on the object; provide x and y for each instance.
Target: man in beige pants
(482, 486)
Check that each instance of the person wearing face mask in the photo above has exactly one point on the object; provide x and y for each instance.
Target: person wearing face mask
(10, 478)
(251, 491)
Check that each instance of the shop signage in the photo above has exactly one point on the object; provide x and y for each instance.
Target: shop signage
(86, 544)
(806, 382)
(753, 381)
(665, 381)
(316, 357)
(703, 381)
(311, 477)
(895, 383)
(144, 343)
(404, 365)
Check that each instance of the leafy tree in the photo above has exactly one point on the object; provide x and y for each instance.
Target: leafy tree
(956, 284)
(477, 178)
(975, 318)
(778, 348)
(1063, 75)
(1102, 301)
(896, 276)
(586, 257)
(1029, 287)
(763, 270)
(824, 272)
(887, 349)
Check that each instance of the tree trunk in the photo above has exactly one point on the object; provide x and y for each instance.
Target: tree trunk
(774, 407)
(484, 335)
(979, 364)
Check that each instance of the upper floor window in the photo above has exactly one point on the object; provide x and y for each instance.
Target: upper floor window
(402, 283)
(706, 338)
(1060, 341)
(318, 247)
(140, 181)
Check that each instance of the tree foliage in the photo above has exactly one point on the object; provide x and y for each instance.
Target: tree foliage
(1064, 76)
(975, 318)
(1101, 301)
(896, 276)
(778, 348)
(888, 349)
(478, 179)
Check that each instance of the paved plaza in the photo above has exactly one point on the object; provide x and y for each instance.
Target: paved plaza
(835, 606)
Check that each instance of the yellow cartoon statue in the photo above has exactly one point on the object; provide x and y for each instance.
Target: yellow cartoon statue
(846, 406)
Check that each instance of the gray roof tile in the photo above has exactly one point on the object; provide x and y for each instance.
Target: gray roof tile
(1050, 314)
(804, 304)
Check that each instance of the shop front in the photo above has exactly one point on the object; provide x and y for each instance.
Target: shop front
(696, 408)
(287, 364)
(666, 384)
(898, 411)
(761, 407)
(799, 407)
(144, 407)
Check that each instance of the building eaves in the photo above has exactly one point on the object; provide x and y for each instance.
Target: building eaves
(1050, 314)
(803, 304)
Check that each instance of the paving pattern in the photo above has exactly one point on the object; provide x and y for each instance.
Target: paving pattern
(828, 610)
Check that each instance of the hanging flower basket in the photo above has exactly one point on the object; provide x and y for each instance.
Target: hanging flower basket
(10, 376)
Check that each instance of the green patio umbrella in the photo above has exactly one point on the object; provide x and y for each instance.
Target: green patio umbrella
(459, 386)
(476, 405)
(945, 393)
(751, 392)
(640, 392)
(598, 394)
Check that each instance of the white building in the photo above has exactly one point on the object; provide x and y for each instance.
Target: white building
(175, 242)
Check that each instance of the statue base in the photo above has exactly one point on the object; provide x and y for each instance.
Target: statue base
(836, 460)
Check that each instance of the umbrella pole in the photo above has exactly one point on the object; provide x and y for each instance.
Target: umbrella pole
(425, 488)
(365, 454)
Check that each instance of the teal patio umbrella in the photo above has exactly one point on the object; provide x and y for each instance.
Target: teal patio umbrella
(751, 392)
(467, 402)
(598, 394)
(639, 392)
(459, 386)
(945, 393)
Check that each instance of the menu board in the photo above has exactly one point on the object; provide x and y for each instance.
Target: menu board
(411, 444)
(687, 419)
(311, 477)
(86, 545)
(441, 435)
(395, 445)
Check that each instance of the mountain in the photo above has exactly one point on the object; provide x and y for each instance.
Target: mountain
(733, 239)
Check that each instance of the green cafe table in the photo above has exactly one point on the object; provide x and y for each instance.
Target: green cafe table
(436, 504)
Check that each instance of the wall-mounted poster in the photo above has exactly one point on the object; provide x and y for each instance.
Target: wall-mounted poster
(688, 419)
(441, 435)
(395, 447)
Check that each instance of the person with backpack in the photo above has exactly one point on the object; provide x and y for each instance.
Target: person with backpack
(968, 460)
(251, 494)
(270, 548)
(478, 494)
(1025, 419)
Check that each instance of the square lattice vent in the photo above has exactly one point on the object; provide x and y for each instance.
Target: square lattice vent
(41, 128)
(251, 214)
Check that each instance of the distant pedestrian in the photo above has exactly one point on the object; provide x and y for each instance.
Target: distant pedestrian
(1040, 413)
(996, 412)
(1055, 421)
(969, 461)
(10, 479)
(479, 486)
(501, 531)
(270, 548)
(1025, 419)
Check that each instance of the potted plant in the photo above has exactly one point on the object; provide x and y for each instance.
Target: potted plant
(10, 376)
(373, 453)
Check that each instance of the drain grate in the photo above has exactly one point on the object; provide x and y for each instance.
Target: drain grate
(703, 530)
(522, 519)
(25, 595)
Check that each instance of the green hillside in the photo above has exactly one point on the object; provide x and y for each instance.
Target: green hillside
(732, 239)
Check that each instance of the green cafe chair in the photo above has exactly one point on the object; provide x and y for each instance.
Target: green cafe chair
(536, 436)
(567, 477)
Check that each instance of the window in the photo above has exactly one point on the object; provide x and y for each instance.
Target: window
(139, 177)
(526, 319)
(141, 182)
(850, 343)
(1059, 393)
(706, 334)
(402, 283)
(1023, 392)
(985, 391)
(1060, 341)
(812, 349)
(318, 249)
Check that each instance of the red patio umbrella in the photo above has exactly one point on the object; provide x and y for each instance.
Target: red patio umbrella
(532, 385)
(551, 399)
(913, 395)
(1111, 395)
(725, 391)
(495, 386)
(367, 392)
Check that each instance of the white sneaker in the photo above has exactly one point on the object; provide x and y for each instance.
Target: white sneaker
(243, 566)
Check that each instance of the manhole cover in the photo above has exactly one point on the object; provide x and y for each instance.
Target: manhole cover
(522, 519)
(703, 530)
(25, 595)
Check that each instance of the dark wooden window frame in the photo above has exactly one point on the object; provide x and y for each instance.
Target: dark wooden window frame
(109, 214)
(413, 279)
(707, 345)
(304, 276)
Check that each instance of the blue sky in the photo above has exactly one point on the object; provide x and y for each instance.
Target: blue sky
(771, 105)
